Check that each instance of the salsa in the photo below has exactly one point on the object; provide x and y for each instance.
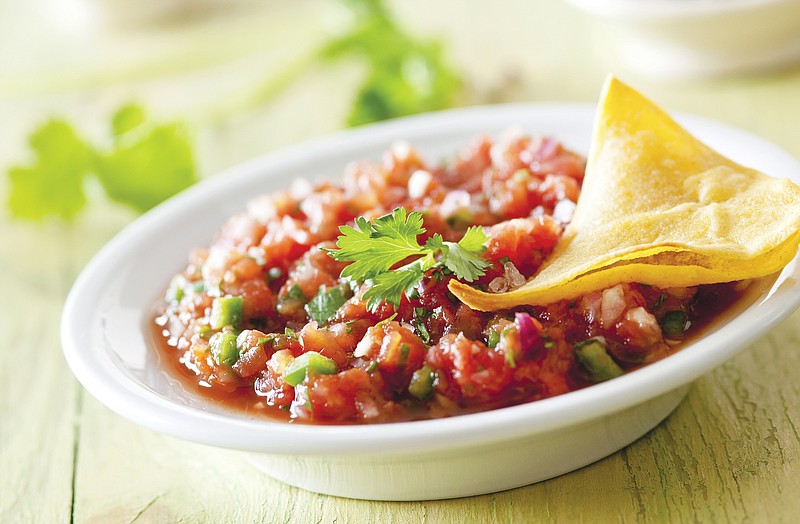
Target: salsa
(263, 319)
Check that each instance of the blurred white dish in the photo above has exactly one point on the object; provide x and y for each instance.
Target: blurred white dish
(105, 335)
(682, 38)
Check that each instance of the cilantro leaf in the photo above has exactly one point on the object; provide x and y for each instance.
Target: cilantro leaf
(375, 247)
(53, 184)
(474, 239)
(391, 285)
(463, 258)
(325, 304)
(144, 165)
(147, 165)
(404, 75)
(127, 118)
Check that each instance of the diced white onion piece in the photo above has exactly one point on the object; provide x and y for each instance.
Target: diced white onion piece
(418, 183)
(300, 188)
(564, 210)
(644, 319)
(453, 202)
(612, 306)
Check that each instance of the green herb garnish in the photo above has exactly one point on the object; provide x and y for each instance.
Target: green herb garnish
(376, 246)
(144, 164)
(405, 75)
(295, 293)
(325, 304)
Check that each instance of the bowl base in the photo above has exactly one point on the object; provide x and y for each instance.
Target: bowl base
(402, 475)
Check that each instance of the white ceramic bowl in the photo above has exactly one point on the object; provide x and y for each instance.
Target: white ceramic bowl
(104, 336)
(682, 38)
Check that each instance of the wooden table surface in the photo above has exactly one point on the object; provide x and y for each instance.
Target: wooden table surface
(729, 453)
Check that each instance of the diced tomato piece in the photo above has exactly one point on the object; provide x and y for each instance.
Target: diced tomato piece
(352, 395)
(284, 241)
(524, 241)
(258, 300)
(468, 369)
(335, 345)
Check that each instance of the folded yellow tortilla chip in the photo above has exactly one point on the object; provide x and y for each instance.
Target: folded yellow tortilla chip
(661, 208)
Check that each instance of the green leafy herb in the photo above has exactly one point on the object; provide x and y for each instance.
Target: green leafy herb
(53, 184)
(660, 300)
(144, 165)
(295, 293)
(325, 304)
(375, 247)
(422, 331)
(386, 320)
(147, 163)
(404, 75)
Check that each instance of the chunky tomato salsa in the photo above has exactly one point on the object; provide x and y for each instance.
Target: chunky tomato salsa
(270, 318)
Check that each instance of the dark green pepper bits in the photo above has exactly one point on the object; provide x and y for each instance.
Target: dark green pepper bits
(422, 383)
(673, 324)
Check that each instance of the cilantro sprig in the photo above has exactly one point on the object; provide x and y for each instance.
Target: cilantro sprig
(376, 247)
(405, 74)
(141, 165)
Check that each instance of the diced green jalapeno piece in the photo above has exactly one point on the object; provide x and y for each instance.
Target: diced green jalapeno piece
(223, 348)
(175, 291)
(225, 311)
(673, 324)
(308, 364)
(205, 332)
(594, 357)
(460, 219)
(422, 382)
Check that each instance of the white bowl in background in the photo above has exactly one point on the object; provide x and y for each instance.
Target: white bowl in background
(105, 335)
(684, 38)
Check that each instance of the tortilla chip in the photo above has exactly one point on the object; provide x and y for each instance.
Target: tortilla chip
(661, 208)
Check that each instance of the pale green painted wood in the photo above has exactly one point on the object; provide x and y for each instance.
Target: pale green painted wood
(730, 452)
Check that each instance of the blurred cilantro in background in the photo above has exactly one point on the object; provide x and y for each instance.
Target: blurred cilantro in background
(145, 163)
(405, 75)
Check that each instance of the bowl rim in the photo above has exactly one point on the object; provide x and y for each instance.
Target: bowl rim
(104, 380)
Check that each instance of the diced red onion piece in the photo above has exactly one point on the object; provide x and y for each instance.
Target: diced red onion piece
(528, 332)
(548, 148)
